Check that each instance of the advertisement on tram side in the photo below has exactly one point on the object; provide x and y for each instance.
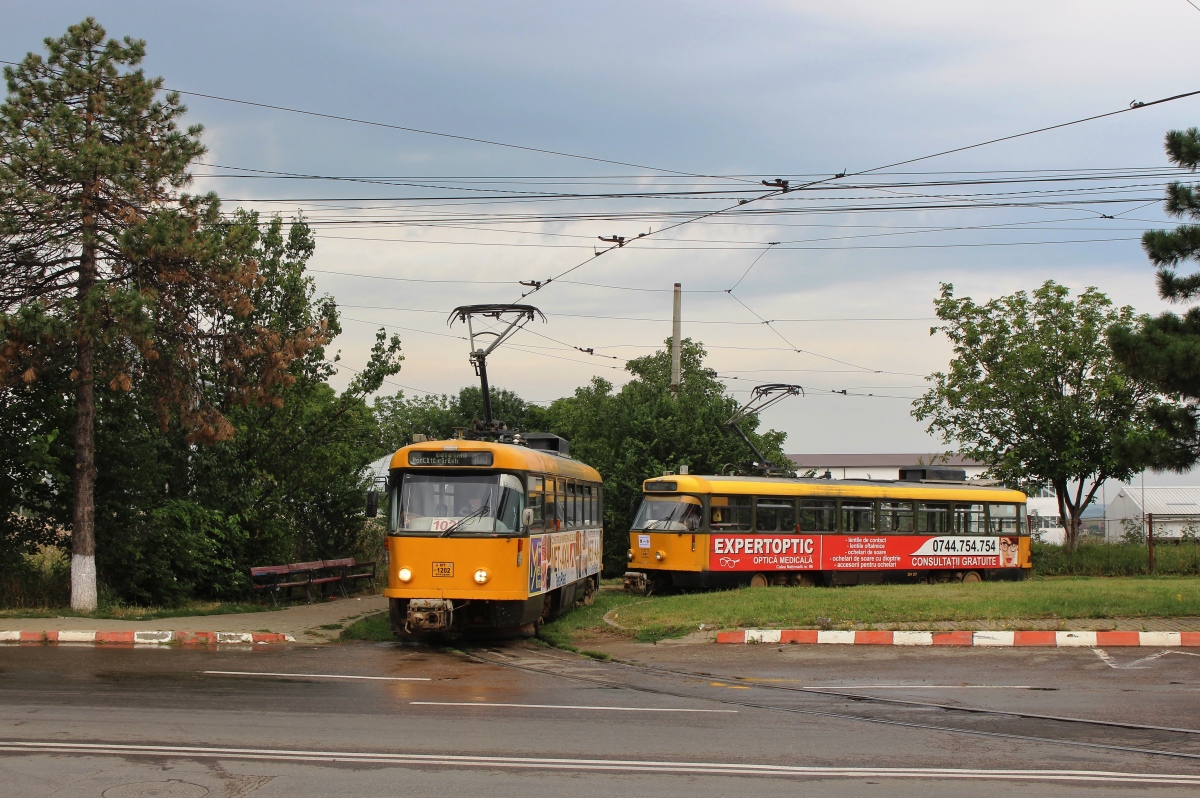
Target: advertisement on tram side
(561, 558)
(745, 552)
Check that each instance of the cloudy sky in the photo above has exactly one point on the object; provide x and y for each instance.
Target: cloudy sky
(680, 109)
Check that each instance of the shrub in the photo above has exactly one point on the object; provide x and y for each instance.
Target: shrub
(36, 580)
(174, 553)
(1116, 559)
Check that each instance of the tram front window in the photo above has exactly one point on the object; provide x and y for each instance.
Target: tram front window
(466, 504)
(676, 514)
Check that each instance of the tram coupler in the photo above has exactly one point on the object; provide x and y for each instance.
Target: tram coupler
(636, 582)
(429, 615)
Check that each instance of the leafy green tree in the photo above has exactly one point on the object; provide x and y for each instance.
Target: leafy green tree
(105, 265)
(1165, 351)
(438, 415)
(32, 510)
(1034, 391)
(640, 432)
(294, 475)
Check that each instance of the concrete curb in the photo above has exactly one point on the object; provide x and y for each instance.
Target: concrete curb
(978, 639)
(143, 637)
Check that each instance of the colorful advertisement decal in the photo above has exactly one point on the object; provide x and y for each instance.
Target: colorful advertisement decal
(560, 558)
(858, 552)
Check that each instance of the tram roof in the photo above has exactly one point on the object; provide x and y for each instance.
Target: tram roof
(866, 488)
(506, 456)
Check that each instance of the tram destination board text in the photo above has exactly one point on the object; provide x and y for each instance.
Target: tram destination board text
(451, 459)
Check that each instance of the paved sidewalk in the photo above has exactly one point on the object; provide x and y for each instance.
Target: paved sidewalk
(301, 621)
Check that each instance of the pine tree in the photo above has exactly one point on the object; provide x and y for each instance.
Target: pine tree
(1165, 351)
(105, 264)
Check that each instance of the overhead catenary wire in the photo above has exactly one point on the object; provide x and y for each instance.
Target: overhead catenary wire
(686, 221)
(407, 129)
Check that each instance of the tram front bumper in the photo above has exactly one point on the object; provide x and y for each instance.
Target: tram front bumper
(429, 615)
(635, 582)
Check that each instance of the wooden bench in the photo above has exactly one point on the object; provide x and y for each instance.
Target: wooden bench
(350, 571)
(315, 573)
(274, 578)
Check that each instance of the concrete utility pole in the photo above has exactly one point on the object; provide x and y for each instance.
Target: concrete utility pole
(675, 340)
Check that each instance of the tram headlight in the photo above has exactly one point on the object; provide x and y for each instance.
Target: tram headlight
(629, 554)
(481, 576)
(660, 555)
(405, 575)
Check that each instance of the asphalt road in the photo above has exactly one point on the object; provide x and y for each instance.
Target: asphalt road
(521, 720)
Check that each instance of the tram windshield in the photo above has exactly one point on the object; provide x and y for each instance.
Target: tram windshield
(674, 514)
(452, 505)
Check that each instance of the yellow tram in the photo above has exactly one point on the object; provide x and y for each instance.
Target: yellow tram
(487, 536)
(723, 531)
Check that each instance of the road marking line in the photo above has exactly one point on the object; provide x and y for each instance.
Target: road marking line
(323, 676)
(1137, 664)
(602, 765)
(922, 687)
(560, 706)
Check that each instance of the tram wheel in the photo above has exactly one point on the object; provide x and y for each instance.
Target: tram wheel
(589, 593)
(759, 580)
(972, 577)
(659, 584)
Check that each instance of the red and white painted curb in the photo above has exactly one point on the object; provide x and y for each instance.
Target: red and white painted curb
(1116, 639)
(144, 638)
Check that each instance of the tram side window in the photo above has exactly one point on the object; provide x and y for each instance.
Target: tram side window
(896, 518)
(729, 513)
(571, 515)
(560, 503)
(775, 515)
(536, 485)
(585, 502)
(1002, 519)
(969, 519)
(858, 515)
(933, 518)
(552, 517)
(818, 515)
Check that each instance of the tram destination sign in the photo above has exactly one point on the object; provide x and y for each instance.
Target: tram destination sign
(451, 459)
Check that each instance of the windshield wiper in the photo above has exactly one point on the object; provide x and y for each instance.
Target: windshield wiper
(477, 514)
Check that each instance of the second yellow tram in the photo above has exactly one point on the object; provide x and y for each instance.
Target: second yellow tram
(723, 531)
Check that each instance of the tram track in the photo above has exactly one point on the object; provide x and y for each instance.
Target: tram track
(1181, 737)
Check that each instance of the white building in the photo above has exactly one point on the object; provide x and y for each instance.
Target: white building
(1044, 517)
(1176, 511)
(879, 466)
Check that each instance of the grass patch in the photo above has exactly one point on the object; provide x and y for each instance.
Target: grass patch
(375, 628)
(890, 605)
(1117, 559)
(124, 613)
(563, 631)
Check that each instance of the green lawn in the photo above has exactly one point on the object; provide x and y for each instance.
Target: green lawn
(375, 628)
(884, 606)
(143, 613)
